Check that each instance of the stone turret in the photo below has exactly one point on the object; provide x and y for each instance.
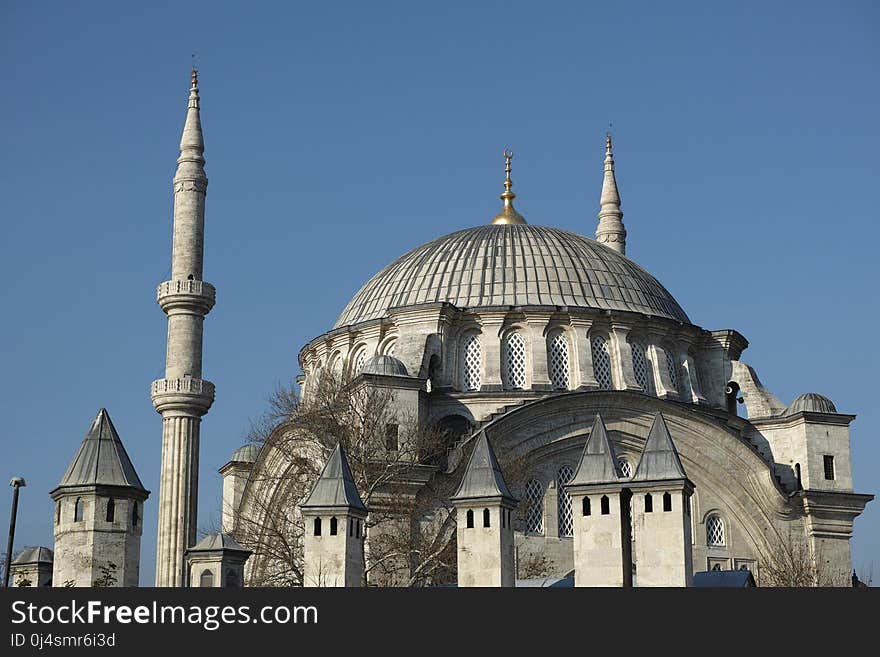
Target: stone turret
(610, 231)
(334, 515)
(99, 513)
(484, 509)
(33, 567)
(235, 474)
(600, 509)
(217, 561)
(661, 507)
(183, 396)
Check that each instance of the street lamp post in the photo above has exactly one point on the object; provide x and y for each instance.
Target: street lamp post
(16, 483)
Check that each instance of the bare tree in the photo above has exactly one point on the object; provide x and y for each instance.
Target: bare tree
(393, 460)
(793, 563)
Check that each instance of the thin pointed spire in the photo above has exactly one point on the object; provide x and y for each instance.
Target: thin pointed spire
(660, 459)
(598, 464)
(192, 143)
(611, 231)
(508, 214)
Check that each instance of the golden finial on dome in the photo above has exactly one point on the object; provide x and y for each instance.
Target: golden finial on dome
(508, 214)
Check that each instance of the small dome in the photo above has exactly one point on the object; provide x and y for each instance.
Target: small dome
(246, 453)
(387, 365)
(811, 402)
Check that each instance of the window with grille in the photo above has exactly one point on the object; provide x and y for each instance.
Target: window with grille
(535, 512)
(514, 362)
(472, 365)
(601, 362)
(640, 364)
(359, 361)
(626, 468)
(672, 368)
(559, 361)
(389, 348)
(829, 466)
(714, 531)
(564, 501)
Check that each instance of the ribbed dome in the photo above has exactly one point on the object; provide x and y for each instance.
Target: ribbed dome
(246, 453)
(386, 365)
(512, 265)
(811, 402)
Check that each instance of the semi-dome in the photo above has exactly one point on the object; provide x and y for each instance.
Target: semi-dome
(811, 402)
(385, 365)
(512, 265)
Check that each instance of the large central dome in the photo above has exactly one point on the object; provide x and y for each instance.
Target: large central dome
(512, 265)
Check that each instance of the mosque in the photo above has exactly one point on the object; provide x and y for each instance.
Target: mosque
(647, 451)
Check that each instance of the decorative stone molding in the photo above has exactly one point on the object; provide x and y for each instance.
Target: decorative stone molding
(186, 394)
(195, 296)
(191, 185)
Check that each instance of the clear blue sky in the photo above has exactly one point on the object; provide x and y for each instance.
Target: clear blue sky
(340, 135)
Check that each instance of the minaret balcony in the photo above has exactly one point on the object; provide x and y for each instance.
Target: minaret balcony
(182, 294)
(185, 394)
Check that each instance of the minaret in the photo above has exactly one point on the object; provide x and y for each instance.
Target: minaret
(611, 231)
(183, 397)
(508, 214)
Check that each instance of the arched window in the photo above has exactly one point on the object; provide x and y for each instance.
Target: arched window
(359, 360)
(207, 579)
(111, 510)
(390, 346)
(514, 362)
(470, 519)
(535, 511)
(334, 526)
(601, 362)
(317, 527)
(605, 505)
(563, 476)
(585, 506)
(231, 578)
(667, 502)
(558, 360)
(487, 518)
(714, 531)
(672, 368)
(797, 476)
(640, 364)
(649, 503)
(57, 512)
(626, 468)
(471, 368)
(135, 514)
(336, 365)
(78, 510)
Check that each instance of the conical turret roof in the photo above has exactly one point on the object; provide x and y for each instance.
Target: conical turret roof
(660, 459)
(335, 487)
(598, 464)
(101, 459)
(482, 477)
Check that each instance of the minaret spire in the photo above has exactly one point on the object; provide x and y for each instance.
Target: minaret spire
(183, 396)
(508, 214)
(611, 231)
